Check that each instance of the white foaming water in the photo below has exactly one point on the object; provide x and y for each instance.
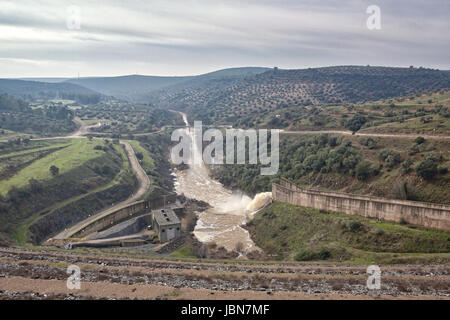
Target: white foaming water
(229, 211)
(259, 201)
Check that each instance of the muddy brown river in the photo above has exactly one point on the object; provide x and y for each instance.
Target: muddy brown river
(229, 211)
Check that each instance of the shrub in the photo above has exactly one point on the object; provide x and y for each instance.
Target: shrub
(364, 170)
(390, 161)
(443, 170)
(305, 255)
(427, 169)
(106, 170)
(369, 142)
(406, 165)
(383, 154)
(54, 170)
(414, 149)
(355, 226)
(355, 123)
(419, 140)
(324, 254)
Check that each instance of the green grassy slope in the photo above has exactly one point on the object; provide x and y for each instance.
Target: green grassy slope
(296, 233)
(79, 208)
(78, 152)
(97, 176)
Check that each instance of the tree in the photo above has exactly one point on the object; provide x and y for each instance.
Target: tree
(364, 170)
(106, 170)
(406, 165)
(54, 170)
(355, 123)
(139, 155)
(419, 140)
(427, 169)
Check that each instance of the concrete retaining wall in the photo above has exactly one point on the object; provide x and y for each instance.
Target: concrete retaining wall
(125, 228)
(418, 213)
(121, 215)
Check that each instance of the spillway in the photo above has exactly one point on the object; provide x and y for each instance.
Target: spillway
(222, 223)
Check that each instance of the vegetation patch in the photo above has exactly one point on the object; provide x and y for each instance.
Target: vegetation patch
(20, 207)
(290, 232)
(405, 169)
(17, 115)
(76, 154)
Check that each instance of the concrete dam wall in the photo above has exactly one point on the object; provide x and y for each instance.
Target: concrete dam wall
(122, 214)
(424, 214)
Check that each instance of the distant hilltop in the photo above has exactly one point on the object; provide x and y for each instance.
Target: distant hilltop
(254, 88)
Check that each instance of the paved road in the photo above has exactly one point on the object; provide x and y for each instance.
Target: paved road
(144, 185)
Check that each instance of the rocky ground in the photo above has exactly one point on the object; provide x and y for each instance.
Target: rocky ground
(42, 274)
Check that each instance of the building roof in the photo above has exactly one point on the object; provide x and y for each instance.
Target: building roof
(165, 217)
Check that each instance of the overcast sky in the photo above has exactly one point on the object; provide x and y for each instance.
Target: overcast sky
(181, 37)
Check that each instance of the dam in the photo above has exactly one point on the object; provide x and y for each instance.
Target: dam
(429, 215)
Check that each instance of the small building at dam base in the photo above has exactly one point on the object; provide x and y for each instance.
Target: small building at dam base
(166, 224)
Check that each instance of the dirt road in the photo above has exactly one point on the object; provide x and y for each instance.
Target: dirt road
(360, 134)
(40, 274)
(144, 185)
(141, 175)
(82, 130)
(143, 179)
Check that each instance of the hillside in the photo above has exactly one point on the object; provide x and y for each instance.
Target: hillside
(426, 113)
(227, 102)
(126, 87)
(30, 188)
(412, 169)
(139, 87)
(31, 90)
(295, 233)
(17, 115)
(119, 118)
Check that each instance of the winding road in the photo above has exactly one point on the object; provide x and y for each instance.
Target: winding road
(143, 181)
(144, 185)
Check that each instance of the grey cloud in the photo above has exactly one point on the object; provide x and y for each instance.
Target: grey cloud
(187, 36)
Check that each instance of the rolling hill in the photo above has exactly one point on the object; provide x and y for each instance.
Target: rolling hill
(45, 90)
(126, 87)
(225, 101)
(139, 87)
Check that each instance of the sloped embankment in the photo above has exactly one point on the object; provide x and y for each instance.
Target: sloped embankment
(98, 182)
(289, 232)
